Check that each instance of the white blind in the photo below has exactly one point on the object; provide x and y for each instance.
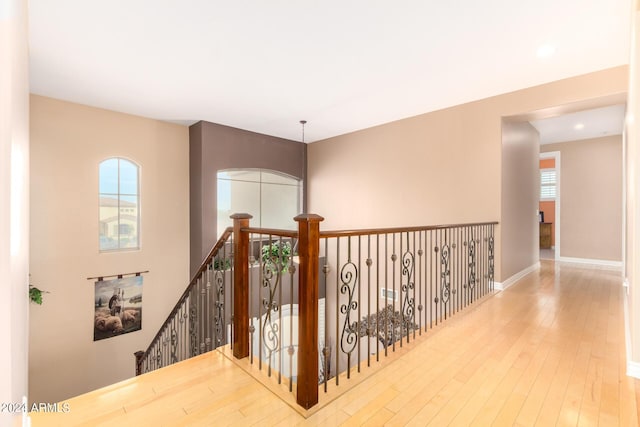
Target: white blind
(547, 184)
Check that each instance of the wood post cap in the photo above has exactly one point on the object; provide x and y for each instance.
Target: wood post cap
(241, 216)
(309, 217)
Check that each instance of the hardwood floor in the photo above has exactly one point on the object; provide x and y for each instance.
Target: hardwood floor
(550, 350)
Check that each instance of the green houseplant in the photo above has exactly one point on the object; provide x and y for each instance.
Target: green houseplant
(277, 253)
(35, 294)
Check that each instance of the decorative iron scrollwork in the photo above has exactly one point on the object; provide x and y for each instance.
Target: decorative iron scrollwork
(193, 327)
(219, 307)
(349, 279)
(472, 263)
(408, 302)
(445, 273)
(271, 274)
(174, 345)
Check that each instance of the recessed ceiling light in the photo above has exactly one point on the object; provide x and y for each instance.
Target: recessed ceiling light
(579, 126)
(546, 50)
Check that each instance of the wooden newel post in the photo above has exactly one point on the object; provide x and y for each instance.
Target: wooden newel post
(308, 251)
(240, 285)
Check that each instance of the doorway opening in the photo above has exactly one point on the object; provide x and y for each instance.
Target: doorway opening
(549, 205)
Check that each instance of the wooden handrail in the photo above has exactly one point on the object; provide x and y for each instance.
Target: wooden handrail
(271, 232)
(363, 231)
(371, 231)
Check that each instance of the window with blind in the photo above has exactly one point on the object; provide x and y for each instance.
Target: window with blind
(548, 181)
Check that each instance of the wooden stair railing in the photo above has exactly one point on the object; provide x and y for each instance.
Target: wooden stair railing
(185, 333)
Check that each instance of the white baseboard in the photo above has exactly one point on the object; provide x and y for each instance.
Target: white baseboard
(633, 368)
(501, 286)
(600, 262)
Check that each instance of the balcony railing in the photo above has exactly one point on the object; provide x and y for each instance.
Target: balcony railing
(310, 308)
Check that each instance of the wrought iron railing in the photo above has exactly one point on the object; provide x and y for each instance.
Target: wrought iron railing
(273, 302)
(384, 287)
(311, 308)
(199, 321)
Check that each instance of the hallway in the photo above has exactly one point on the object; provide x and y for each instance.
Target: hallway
(548, 350)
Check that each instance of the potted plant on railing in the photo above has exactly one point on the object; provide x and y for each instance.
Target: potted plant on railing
(276, 253)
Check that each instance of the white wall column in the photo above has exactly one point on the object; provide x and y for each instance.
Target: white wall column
(14, 205)
(632, 181)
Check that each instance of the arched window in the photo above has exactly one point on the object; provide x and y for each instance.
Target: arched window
(273, 198)
(119, 205)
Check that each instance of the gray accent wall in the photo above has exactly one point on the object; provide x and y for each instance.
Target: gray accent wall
(214, 147)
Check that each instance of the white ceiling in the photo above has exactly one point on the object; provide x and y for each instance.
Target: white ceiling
(341, 65)
(581, 125)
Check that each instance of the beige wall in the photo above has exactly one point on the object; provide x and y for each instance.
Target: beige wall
(520, 196)
(14, 205)
(68, 141)
(440, 167)
(590, 198)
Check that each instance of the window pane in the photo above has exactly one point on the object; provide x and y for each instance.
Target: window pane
(275, 178)
(241, 175)
(279, 206)
(128, 226)
(109, 176)
(237, 197)
(128, 177)
(128, 204)
(108, 223)
(272, 199)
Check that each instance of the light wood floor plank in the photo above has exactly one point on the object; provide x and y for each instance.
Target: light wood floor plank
(550, 350)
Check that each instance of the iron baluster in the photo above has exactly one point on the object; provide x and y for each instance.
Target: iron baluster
(491, 265)
(270, 329)
(408, 301)
(472, 262)
(193, 332)
(445, 276)
(348, 283)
